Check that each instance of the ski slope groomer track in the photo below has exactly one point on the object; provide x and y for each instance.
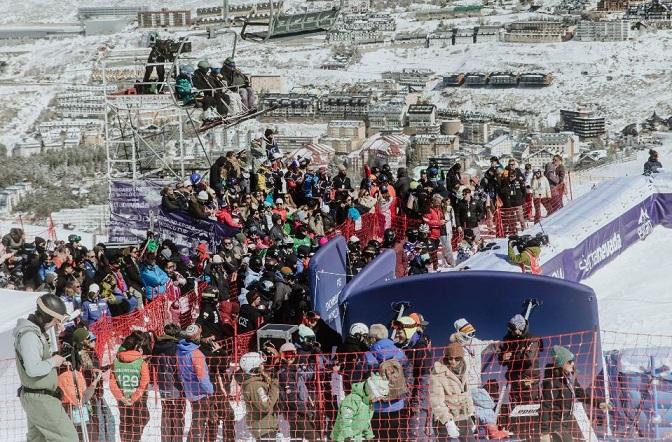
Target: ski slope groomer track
(595, 228)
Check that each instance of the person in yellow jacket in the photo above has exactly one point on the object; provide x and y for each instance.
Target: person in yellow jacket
(528, 258)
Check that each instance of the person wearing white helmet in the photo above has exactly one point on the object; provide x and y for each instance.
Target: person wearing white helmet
(296, 398)
(198, 205)
(261, 394)
(465, 334)
(356, 341)
(307, 340)
(195, 376)
(350, 354)
(219, 277)
(93, 308)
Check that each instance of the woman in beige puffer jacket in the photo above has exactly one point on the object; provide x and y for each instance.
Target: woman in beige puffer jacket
(449, 397)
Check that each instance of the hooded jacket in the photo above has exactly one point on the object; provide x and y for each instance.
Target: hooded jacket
(193, 371)
(382, 351)
(164, 367)
(130, 376)
(261, 396)
(353, 421)
(449, 394)
(154, 280)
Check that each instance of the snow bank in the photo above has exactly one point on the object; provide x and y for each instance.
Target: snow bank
(15, 304)
(633, 290)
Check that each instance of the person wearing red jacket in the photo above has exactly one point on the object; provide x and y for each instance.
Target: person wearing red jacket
(224, 216)
(435, 219)
(129, 379)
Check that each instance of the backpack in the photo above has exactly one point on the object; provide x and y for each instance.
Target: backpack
(183, 89)
(392, 371)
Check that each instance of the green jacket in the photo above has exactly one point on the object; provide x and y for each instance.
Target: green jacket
(354, 416)
(306, 241)
(524, 259)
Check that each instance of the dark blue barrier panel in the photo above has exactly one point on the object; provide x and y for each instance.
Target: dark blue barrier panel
(380, 270)
(189, 232)
(327, 276)
(487, 299)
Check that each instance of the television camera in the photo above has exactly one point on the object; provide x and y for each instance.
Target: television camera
(521, 242)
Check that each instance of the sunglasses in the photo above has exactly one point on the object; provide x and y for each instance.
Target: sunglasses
(454, 359)
(289, 354)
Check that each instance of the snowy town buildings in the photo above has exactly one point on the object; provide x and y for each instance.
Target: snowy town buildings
(583, 123)
(344, 136)
(164, 18)
(616, 30)
(536, 31)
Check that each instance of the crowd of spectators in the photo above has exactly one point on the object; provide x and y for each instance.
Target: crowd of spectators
(382, 382)
(280, 214)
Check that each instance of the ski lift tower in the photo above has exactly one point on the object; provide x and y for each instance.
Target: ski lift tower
(144, 133)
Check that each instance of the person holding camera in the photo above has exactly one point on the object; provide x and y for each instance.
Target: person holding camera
(528, 254)
(39, 393)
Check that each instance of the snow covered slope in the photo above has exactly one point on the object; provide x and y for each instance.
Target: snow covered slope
(633, 290)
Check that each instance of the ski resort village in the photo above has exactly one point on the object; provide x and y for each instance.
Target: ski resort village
(335, 220)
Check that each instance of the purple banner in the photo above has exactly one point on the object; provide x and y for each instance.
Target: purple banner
(186, 231)
(609, 241)
(132, 204)
(327, 276)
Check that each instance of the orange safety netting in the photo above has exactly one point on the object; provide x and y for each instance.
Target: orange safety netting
(535, 388)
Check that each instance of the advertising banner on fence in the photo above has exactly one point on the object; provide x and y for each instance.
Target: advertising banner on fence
(186, 231)
(608, 242)
(132, 204)
(327, 272)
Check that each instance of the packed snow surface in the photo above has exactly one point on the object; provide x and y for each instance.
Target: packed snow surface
(633, 290)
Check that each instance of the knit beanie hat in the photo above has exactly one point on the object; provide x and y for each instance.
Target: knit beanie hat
(518, 322)
(454, 350)
(79, 336)
(463, 326)
(561, 355)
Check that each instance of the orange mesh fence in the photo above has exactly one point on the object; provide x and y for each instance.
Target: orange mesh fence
(488, 389)
(513, 220)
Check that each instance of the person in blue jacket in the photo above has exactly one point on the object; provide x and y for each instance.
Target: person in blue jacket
(153, 277)
(196, 384)
(47, 266)
(388, 414)
(94, 308)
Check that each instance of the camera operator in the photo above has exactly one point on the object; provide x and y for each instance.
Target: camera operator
(527, 257)
(39, 393)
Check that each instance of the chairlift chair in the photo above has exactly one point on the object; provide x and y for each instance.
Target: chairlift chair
(279, 25)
